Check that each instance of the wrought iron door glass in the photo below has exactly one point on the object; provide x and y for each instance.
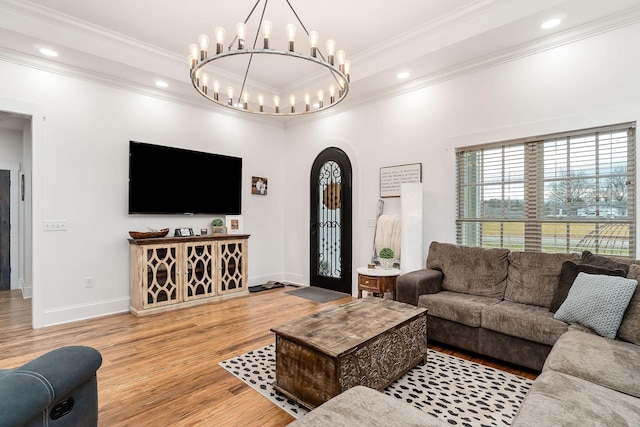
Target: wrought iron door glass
(329, 220)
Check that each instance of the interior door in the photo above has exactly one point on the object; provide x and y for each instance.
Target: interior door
(5, 230)
(331, 219)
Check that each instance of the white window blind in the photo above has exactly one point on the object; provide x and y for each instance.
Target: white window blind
(557, 193)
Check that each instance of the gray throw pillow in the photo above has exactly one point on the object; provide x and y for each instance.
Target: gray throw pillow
(569, 273)
(602, 261)
(598, 302)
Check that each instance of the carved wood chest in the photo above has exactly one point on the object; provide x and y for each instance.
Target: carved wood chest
(370, 342)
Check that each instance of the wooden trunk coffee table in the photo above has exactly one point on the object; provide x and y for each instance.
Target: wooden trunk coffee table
(370, 342)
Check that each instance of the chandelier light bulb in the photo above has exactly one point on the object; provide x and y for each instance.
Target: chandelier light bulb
(347, 70)
(320, 98)
(197, 76)
(331, 50)
(203, 40)
(220, 34)
(307, 102)
(276, 103)
(342, 84)
(230, 95)
(241, 33)
(245, 100)
(340, 58)
(204, 78)
(216, 89)
(292, 101)
(261, 102)
(194, 52)
(332, 94)
(314, 38)
(291, 35)
(267, 27)
(192, 61)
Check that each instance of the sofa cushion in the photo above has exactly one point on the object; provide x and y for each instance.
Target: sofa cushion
(461, 308)
(629, 329)
(609, 363)
(568, 274)
(534, 276)
(603, 261)
(470, 270)
(525, 321)
(598, 302)
(558, 399)
(362, 406)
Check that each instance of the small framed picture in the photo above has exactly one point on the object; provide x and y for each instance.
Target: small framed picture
(259, 185)
(234, 224)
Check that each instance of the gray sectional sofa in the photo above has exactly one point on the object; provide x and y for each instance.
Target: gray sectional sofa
(530, 309)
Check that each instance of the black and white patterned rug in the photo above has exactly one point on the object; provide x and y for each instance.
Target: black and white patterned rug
(458, 391)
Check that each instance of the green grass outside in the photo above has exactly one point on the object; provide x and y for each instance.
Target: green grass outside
(515, 231)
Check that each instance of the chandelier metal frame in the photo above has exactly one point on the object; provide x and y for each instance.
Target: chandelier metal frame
(340, 72)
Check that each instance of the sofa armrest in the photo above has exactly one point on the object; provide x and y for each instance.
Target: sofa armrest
(27, 392)
(411, 285)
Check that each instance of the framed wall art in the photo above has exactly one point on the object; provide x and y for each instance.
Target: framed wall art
(259, 185)
(234, 224)
(392, 176)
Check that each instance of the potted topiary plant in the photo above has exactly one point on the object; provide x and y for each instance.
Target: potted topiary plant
(217, 226)
(386, 257)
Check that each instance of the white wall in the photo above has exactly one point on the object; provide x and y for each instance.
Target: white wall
(80, 174)
(80, 159)
(589, 83)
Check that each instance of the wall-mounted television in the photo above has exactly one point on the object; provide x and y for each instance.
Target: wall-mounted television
(166, 180)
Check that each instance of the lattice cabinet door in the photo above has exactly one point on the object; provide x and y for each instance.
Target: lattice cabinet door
(161, 278)
(232, 266)
(199, 277)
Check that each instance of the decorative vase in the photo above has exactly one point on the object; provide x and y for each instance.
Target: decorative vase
(386, 263)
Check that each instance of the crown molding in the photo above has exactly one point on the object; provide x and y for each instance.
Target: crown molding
(592, 29)
(19, 58)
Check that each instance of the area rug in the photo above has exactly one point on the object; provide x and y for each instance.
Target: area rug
(317, 294)
(455, 390)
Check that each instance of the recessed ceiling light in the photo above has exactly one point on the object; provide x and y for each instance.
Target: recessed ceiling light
(403, 75)
(551, 23)
(161, 83)
(48, 52)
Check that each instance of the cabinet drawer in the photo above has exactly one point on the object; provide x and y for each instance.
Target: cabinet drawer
(369, 282)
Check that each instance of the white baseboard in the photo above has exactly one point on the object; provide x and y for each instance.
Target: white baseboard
(56, 316)
(261, 280)
(27, 291)
(297, 279)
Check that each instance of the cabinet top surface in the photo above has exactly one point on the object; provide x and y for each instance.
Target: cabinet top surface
(207, 238)
(340, 329)
(378, 272)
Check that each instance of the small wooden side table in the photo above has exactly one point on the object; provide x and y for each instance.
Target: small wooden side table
(377, 281)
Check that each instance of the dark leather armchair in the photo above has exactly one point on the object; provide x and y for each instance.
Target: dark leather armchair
(59, 388)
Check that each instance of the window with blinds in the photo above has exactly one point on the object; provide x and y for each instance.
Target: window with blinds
(558, 193)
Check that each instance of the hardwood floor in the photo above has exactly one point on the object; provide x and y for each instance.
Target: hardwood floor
(162, 370)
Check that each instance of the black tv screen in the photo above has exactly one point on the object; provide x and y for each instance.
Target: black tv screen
(166, 180)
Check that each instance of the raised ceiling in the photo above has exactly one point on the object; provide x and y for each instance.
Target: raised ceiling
(135, 43)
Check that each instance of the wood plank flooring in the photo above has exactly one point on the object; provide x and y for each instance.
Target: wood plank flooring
(162, 370)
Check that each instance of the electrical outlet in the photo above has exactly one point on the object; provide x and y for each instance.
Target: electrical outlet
(55, 225)
(88, 282)
(371, 222)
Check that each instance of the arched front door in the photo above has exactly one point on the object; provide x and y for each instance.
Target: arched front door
(331, 211)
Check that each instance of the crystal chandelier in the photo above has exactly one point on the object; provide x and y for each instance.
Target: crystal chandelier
(205, 59)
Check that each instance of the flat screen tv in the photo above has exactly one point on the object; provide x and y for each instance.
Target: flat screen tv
(166, 180)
